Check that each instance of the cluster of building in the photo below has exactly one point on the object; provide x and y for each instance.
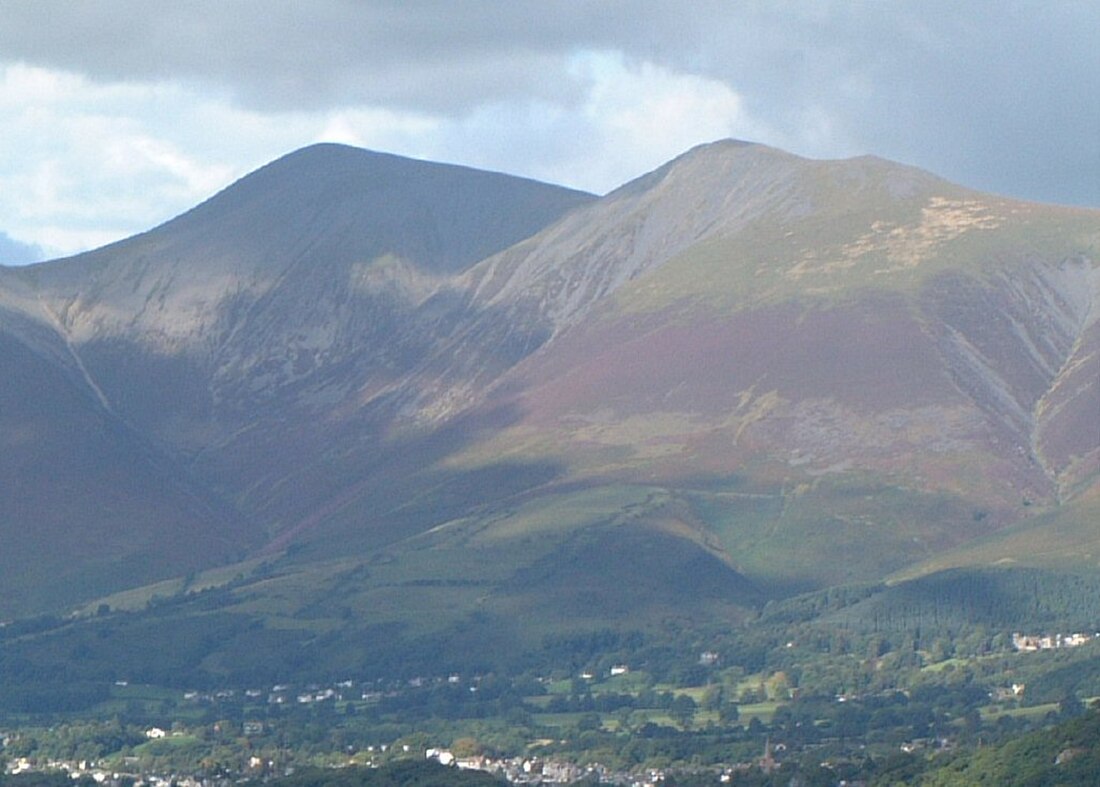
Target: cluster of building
(1027, 643)
(285, 694)
(521, 770)
(536, 770)
(108, 778)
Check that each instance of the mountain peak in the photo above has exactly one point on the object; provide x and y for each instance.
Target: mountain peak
(331, 203)
(747, 366)
(700, 159)
(355, 203)
(736, 164)
(324, 160)
(716, 188)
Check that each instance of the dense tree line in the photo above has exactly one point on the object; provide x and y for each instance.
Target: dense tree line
(403, 773)
(960, 612)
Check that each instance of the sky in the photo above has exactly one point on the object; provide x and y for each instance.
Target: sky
(120, 114)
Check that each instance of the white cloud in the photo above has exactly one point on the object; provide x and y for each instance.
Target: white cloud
(377, 129)
(633, 116)
(88, 163)
(83, 166)
(979, 93)
(641, 115)
(99, 162)
(105, 136)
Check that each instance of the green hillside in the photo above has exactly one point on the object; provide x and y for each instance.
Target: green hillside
(358, 413)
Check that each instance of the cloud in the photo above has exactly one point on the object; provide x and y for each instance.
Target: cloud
(99, 161)
(124, 112)
(635, 117)
(997, 94)
(89, 168)
(994, 95)
(103, 161)
(281, 55)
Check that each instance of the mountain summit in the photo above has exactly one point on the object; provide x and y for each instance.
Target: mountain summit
(178, 339)
(401, 387)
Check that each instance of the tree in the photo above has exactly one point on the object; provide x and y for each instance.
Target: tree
(682, 710)
(466, 747)
(729, 713)
(712, 697)
(588, 722)
(1070, 705)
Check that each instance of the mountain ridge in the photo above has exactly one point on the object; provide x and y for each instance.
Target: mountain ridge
(743, 375)
(146, 327)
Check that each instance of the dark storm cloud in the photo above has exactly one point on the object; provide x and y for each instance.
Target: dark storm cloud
(429, 56)
(1001, 96)
(998, 95)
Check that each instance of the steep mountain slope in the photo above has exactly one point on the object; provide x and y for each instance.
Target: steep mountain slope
(843, 353)
(472, 411)
(236, 331)
(279, 277)
(88, 506)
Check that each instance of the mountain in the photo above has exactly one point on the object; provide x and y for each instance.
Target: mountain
(821, 354)
(241, 315)
(83, 494)
(410, 406)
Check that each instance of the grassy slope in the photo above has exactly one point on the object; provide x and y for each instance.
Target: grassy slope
(658, 501)
(877, 244)
(1063, 755)
(785, 524)
(475, 593)
(1067, 536)
(673, 510)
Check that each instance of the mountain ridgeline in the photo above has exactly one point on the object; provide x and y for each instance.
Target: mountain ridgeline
(379, 394)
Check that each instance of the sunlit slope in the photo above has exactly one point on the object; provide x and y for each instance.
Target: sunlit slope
(1066, 537)
(743, 375)
(844, 368)
(478, 593)
(853, 366)
(245, 336)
